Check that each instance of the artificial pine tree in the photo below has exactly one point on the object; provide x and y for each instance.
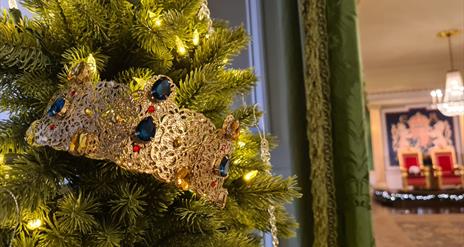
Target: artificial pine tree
(52, 198)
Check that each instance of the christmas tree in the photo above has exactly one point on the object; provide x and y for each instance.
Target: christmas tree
(53, 196)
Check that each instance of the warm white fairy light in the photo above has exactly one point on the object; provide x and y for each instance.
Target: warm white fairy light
(92, 63)
(196, 37)
(155, 19)
(12, 4)
(34, 224)
(412, 197)
(250, 175)
(180, 46)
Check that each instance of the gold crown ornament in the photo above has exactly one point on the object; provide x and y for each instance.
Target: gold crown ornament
(143, 131)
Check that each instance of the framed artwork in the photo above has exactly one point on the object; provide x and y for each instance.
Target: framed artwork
(418, 127)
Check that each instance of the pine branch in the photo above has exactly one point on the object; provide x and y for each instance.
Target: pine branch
(265, 190)
(235, 82)
(194, 85)
(26, 240)
(12, 132)
(188, 8)
(247, 115)
(220, 47)
(18, 48)
(42, 167)
(75, 212)
(197, 217)
(135, 77)
(86, 202)
(128, 204)
(54, 235)
(230, 239)
(107, 236)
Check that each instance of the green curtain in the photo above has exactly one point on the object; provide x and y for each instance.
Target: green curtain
(336, 124)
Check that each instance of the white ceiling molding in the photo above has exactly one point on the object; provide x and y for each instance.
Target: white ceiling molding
(399, 98)
(400, 49)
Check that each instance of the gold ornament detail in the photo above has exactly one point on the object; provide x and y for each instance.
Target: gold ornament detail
(102, 122)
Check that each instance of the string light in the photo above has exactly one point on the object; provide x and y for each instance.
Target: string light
(196, 37)
(250, 175)
(393, 196)
(183, 184)
(12, 4)
(180, 46)
(34, 224)
(241, 144)
(155, 19)
(91, 61)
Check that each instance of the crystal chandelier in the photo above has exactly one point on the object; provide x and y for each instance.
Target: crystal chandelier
(451, 102)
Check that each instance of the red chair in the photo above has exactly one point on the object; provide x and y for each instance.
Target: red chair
(413, 171)
(446, 169)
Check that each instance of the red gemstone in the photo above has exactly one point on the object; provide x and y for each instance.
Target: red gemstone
(52, 126)
(214, 184)
(73, 92)
(136, 148)
(151, 109)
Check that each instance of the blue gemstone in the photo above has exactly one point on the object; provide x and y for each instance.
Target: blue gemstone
(224, 167)
(161, 89)
(56, 107)
(146, 129)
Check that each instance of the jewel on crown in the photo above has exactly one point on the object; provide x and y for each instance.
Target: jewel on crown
(143, 131)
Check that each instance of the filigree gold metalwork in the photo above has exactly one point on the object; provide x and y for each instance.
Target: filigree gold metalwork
(100, 122)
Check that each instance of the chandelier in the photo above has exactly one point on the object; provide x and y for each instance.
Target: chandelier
(451, 101)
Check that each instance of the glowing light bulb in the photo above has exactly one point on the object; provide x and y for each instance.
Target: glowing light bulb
(34, 224)
(151, 14)
(180, 46)
(184, 185)
(155, 18)
(241, 144)
(91, 61)
(196, 37)
(250, 175)
(12, 4)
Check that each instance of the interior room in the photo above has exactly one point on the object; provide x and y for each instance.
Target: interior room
(410, 56)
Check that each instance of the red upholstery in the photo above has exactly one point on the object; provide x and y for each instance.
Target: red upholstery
(412, 170)
(451, 180)
(417, 180)
(410, 160)
(445, 161)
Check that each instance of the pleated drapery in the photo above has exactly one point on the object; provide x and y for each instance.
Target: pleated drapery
(336, 124)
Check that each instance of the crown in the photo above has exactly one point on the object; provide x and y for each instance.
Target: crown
(143, 131)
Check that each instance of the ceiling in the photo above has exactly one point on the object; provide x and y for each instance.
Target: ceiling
(400, 49)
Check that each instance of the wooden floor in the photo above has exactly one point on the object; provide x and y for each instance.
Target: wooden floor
(411, 230)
